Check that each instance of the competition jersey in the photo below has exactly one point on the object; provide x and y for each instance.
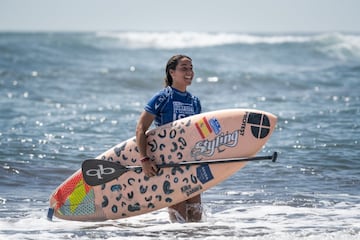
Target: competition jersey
(170, 104)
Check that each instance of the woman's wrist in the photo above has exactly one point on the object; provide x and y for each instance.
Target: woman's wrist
(144, 159)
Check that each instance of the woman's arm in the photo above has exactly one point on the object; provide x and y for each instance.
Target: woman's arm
(149, 167)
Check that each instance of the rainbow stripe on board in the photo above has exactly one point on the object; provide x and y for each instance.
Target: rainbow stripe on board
(75, 197)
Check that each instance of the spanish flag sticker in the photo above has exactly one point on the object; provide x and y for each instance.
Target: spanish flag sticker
(203, 127)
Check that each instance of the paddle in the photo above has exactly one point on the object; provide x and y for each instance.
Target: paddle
(96, 172)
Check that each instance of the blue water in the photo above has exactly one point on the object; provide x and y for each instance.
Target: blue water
(66, 97)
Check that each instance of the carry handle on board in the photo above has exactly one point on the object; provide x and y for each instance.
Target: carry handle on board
(96, 172)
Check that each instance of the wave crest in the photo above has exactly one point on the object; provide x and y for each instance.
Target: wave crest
(340, 46)
(169, 40)
(204, 39)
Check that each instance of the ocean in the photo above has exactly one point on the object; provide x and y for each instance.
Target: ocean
(69, 96)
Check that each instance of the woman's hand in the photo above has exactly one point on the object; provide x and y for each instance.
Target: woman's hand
(149, 167)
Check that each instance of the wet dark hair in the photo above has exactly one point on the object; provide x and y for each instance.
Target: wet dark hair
(171, 64)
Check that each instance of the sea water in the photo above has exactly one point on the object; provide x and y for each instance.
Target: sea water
(66, 97)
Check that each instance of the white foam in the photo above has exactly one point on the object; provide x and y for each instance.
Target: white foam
(339, 46)
(165, 40)
(239, 221)
(169, 40)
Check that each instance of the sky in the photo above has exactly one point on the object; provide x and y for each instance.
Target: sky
(181, 15)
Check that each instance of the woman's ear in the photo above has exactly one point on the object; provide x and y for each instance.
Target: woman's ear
(171, 71)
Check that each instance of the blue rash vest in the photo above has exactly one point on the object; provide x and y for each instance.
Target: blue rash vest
(170, 104)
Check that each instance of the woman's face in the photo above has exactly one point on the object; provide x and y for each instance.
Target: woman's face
(183, 74)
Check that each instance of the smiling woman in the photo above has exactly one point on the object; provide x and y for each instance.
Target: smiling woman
(179, 72)
(171, 104)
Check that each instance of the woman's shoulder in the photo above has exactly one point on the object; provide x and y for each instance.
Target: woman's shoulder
(162, 95)
(167, 91)
(193, 96)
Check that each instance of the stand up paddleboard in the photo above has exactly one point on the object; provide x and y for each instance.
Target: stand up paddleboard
(186, 150)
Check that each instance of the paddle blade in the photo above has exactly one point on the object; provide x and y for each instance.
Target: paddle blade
(96, 172)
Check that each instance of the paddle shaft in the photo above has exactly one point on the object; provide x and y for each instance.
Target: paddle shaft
(97, 172)
(218, 161)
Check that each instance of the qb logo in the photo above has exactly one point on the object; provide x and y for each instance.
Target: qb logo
(99, 172)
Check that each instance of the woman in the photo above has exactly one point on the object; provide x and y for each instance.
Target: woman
(170, 104)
